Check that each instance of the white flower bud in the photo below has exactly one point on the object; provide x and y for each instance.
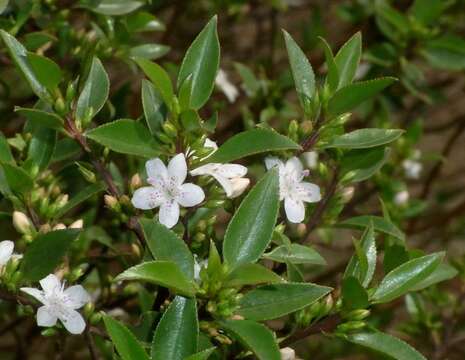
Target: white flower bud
(311, 159)
(22, 223)
(59, 227)
(402, 197)
(348, 194)
(78, 224)
(287, 353)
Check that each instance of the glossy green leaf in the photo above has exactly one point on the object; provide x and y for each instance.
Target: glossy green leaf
(364, 138)
(80, 197)
(41, 118)
(249, 231)
(124, 340)
(155, 110)
(387, 345)
(442, 273)
(159, 77)
(251, 142)
(177, 333)
(350, 96)
(403, 278)
(149, 51)
(41, 148)
(45, 253)
(127, 137)
(295, 254)
(332, 77)
(20, 57)
(116, 7)
(252, 274)
(95, 92)
(394, 256)
(201, 355)
(48, 73)
(202, 61)
(360, 164)
(165, 273)
(302, 72)
(143, 21)
(5, 152)
(348, 58)
(380, 224)
(164, 244)
(255, 337)
(276, 300)
(16, 178)
(354, 295)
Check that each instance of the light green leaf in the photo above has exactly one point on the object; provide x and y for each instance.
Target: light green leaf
(442, 273)
(16, 178)
(255, 337)
(249, 231)
(252, 274)
(41, 118)
(177, 332)
(364, 138)
(380, 224)
(302, 72)
(95, 91)
(116, 7)
(251, 142)
(387, 345)
(348, 58)
(5, 153)
(80, 197)
(3, 5)
(154, 108)
(143, 21)
(149, 51)
(350, 96)
(44, 254)
(276, 300)
(159, 77)
(403, 278)
(295, 254)
(164, 244)
(202, 61)
(127, 137)
(428, 11)
(48, 73)
(124, 340)
(446, 52)
(164, 273)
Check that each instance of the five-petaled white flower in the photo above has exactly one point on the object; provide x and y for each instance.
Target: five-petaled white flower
(292, 189)
(6, 252)
(228, 88)
(230, 177)
(59, 303)
(168, 190)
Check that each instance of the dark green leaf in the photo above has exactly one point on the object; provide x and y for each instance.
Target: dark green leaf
(5, 153)
(155, 110)
(116, 7)
(380, 224)
(48, 73)
(295, 254)
(359, 165)
(394, 256)
(159, 77)
(41, 118)
(332, 77)
(252, 274)
(149, 51)
(442, 273)
(80, 197)
(201, 355)
(364, 138)
(446, 52)
(41, 148)
(16, 178)
(354, 295)
(428, 11)
(348, 58)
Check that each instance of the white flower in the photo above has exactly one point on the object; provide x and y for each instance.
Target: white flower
(223, 83)
(412, 168)
(209, 143)
(230, 177)
(401, 198)
(6, 252)
(311, 159)
(168, 190)
(198, 265)
(59, 303)
(292, 189)
(287, 353)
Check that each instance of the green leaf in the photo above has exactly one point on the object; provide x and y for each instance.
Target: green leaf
(44, 254)
(350, 96)
(16, 178)
(41, 148)
(380, 224)
(276, 300)
(80, 197)
(155, 110)
(394, 256)
(164, 273)
(442, 273)
(249, 231)
(387, 345)
(302, 72)
(159, 77)
(364, 138)
(252, 274)
(20, 57)
(3, 5)
(359, 165)
(348, 58)
(354, 295)
(41, 118)
(177, 332)
(255, 337)
(250, 83)
(127, 137)
(295, 254)
(116, 7)
(332, 77)
(201, 355)
(446, 52)
(368, 247)
(95, 91)
(403, 278)
(48, 73)
(428, 11)
(124, 340)
(143, 21)
(5, 153)
(149, 51)
(251, 142)
(164, 244)
(202, 61)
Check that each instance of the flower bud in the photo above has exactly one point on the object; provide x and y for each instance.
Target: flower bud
(301, 230)
(358, 314)
(347, 194)
(22, 223)
(136, 182)
(238, 186)
(287, 353)
(111, 201)
(59, 227)
(78, 224)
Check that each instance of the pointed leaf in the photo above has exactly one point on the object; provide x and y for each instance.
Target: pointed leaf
(41, 118)
(155, 110)
(252, 274)
(364, 138)
(295, 254)
(348, 58)
(380, 224)
(159, 77)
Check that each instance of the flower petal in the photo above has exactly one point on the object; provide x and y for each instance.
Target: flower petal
(6, 250)
(308, 192)
(156, 169)
(36, 293)
(177, 168)
(209, 143)
(225, 184)
(76, 297)
(295, 210)
(294, 167)
(45, 317)
(271, 162)
(72, 321)
(169, 214)
(207, 169)
(190, 195)
(50, 284)
(238, 186)
(232, 170)
(146, 198)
